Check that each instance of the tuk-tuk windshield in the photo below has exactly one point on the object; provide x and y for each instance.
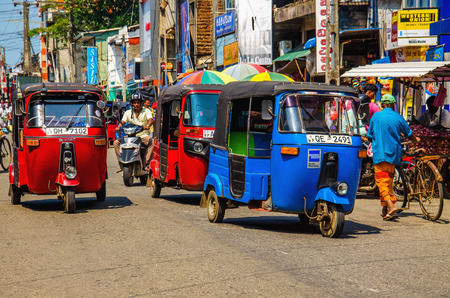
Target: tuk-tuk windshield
(319, 114)
(52, 113)
(200, 109)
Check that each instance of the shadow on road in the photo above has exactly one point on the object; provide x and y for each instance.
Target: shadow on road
(185, 199)
(83, 204)
(283, 224)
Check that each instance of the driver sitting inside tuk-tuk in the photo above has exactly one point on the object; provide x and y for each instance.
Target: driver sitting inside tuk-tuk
(138, 116)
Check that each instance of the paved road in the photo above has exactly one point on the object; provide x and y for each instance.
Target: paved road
(132, 245)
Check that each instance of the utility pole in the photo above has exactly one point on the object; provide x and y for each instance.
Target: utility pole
(332, 73)
(71, 49)
(26, 39)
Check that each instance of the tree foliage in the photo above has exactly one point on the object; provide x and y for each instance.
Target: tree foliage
(88, 15)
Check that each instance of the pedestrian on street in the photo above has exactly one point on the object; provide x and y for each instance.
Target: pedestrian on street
(367, 108)
(385, 130)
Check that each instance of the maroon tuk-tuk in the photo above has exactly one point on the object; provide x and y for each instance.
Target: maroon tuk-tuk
(186, 118)
(59, 142)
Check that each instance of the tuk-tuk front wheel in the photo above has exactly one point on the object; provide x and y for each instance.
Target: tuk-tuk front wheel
(333, 224)
(69, 200)
(15, 194)
(128, 175)
(155, 187)
(216, 207)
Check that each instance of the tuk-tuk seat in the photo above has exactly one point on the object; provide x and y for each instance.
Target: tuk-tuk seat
(237, 142)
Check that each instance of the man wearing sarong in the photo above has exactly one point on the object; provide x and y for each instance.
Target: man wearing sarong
(385, 131)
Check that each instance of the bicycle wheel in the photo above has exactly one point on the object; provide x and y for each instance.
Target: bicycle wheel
(401, 188)
(5, 151)
(430, 190)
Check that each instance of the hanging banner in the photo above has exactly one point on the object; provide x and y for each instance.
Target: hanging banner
(92, 65)
(255, 31)
(387, 85)
(146, 33)
(231, 54)
(225, 24)
(185, 37)
(321, 37)
(435, 54)
(414, 27)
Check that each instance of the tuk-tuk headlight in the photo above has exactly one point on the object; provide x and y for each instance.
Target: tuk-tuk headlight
(342, 188)
(70, 172)
(198, 147)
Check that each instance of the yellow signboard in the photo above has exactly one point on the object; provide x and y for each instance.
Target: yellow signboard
(231, 54)
(416, 22)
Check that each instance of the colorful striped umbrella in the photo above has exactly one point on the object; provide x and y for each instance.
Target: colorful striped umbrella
(243, 70)
(268, 76)
(207, 77)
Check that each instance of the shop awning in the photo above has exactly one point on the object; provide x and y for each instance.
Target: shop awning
(402, 70)
(294, 54)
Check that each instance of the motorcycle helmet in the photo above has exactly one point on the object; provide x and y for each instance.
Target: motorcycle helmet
(137, 97)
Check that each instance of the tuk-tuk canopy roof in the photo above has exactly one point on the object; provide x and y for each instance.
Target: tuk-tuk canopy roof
(177, 92)
(258, 91)
(438, 69)
(31, 88)
(238, 90)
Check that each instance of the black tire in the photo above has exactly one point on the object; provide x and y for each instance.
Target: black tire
(333, 225)
(155, 187)
(143, 179)
(101, 193)
(215, 207)
(128, 175)
(304, 220)
(15, 194)
(5, 151)
(400, 186)
(431, 197)
(69, 200)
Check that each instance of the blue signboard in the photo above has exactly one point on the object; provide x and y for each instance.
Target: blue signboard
(92, 65)
(435, 54)
(185, 37)
(225, 24)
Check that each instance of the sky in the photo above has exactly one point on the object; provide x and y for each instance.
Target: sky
(11, 30)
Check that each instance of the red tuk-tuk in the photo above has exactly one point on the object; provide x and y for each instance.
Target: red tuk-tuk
(59, 142)
(186, 117)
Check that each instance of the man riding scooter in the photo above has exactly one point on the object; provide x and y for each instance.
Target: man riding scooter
(138, 116)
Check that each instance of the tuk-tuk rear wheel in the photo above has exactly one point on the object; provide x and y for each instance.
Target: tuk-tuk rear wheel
(216, 207)
(15, 194)
(101, 193)
(128, 175)
(333, 224)
(155, 187)
(69, 200)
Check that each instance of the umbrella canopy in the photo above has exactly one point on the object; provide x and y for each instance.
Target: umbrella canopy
(243, 70)
(268, 76)
(207, 77)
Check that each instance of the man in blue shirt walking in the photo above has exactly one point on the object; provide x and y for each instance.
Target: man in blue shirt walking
(385, 130)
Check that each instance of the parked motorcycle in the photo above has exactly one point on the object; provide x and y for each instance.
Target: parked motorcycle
(132, 155)
(367, 178)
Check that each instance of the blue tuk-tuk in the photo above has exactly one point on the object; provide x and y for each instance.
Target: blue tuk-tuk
(287, 147)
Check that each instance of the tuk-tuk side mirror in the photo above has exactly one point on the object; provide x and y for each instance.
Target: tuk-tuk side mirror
(18, 110)
(267, 110)
(101, 104)
(175, 109)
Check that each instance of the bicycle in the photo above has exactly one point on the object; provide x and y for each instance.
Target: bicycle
(5, 151)
(419, 179)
